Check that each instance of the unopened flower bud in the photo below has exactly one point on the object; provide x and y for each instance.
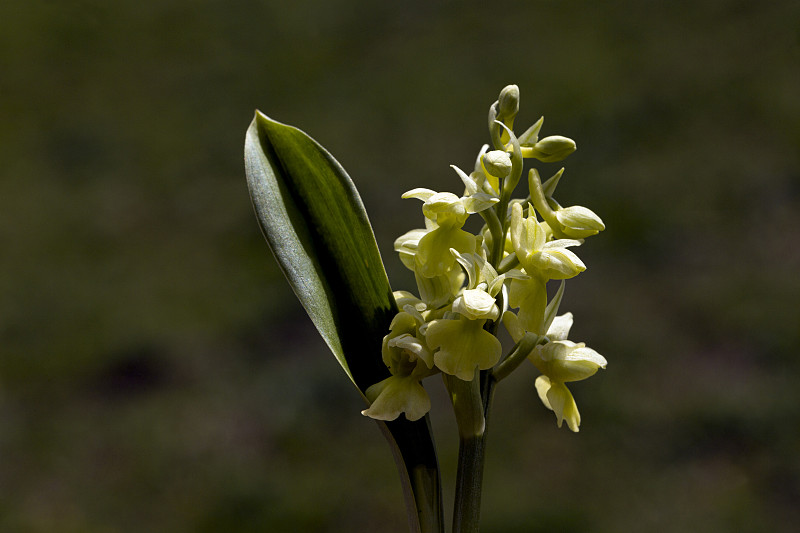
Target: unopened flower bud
(553, 148)
(508, 102)
(578, 222)
(497, 163)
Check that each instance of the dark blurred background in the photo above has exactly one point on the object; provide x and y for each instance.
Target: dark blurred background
(157, 374)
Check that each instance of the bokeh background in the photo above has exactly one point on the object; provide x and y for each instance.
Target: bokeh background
(157, 374)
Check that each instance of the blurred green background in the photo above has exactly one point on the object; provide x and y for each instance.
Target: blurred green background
(157, 374)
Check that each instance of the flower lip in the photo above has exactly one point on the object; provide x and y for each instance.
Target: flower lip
(395, 395)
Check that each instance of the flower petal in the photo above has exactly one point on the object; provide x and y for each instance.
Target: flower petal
(406, 246)
(513, 326)
(478, 202)
(530, 296)
(579, 222)
(564, 406)
(463, 345)
(584, 353)
(527, 236)
(559, 329)
(542, 386)
(433, 253)
(419, 193)
(554, 263)
(567, 361)
(395, 395)
(469, 183)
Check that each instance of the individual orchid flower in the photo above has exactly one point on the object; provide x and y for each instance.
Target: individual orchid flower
(541, 260)
(561, 361)
(463, 345)
(448, 212)
(395, 395)
(547, 260)
(409, 360)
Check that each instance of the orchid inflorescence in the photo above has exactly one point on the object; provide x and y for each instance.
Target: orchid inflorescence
(469, 283)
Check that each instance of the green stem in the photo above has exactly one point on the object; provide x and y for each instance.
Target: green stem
(495, 230)
(469, 476)
(517, 357)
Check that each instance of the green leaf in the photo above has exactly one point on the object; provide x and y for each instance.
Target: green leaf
(316, 225)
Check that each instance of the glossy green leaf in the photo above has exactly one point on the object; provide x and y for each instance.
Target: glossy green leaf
(316, 225)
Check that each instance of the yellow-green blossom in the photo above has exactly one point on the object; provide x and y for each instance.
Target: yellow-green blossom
(530, 296)
(547, 260)
(433, 256)
(409, 360)
(561, 361)
(463, 345)
(443, 330)
(567, 361)
(448, 213)
(395, 395)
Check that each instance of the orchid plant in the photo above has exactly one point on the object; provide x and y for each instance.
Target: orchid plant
(467, 286)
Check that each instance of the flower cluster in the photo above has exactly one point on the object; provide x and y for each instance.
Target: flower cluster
(469, 283)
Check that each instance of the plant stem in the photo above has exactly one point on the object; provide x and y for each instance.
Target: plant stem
(517, 357)
(469, 476)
